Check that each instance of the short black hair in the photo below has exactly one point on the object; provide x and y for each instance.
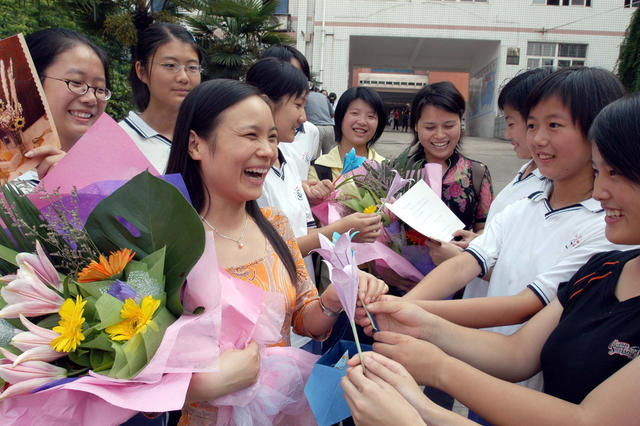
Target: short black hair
(616, 133)
(286, 53)
(149, 41)
(45, 45)
(583, 90)
(202, 111)
(442, 95)
(514, 93)
(371, 97)
(277, 79)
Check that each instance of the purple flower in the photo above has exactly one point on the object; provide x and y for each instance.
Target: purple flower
(122, 291)
(343, 270)
(396, 185)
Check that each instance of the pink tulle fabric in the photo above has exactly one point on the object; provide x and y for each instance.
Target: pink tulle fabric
(235, 313)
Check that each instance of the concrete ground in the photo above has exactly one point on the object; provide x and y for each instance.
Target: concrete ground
(497, 154)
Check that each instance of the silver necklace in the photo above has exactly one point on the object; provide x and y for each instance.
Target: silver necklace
(238, 241)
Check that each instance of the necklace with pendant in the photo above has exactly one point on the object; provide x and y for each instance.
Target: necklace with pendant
(238, 241)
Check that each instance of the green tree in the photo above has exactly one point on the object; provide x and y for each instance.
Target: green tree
(234, 33)
(629, 58)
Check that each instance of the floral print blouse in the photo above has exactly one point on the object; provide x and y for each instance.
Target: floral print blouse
(459, 194)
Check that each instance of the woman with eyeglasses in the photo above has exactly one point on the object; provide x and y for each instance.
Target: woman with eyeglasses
(165, 67)
(75, 77)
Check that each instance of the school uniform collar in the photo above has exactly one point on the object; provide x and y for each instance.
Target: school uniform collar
(543, 195)
(283, 161)
(332, 158)
(140, 126)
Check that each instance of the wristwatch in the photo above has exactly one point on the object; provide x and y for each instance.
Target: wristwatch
(328, 312)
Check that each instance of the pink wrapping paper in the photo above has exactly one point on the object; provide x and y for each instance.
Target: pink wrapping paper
(381, 253)
(116, 158)
(236, 312)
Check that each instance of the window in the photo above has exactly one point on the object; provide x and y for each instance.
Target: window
(631, 3)
(586, 3)
(552, 55)
(513, 56)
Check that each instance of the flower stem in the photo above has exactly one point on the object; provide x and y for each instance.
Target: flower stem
(355, 336)
(373, 323)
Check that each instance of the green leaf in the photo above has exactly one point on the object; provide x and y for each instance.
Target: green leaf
(108, 308)
(163, 218)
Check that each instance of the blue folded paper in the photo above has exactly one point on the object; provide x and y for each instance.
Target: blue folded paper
(323, 390)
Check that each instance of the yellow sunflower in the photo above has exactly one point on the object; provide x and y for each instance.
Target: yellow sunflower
(70, 325)
(135, 318)
(103, 269)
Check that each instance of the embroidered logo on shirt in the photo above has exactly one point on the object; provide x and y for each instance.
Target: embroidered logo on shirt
(575, 242)
(621, 348)
(299, 193)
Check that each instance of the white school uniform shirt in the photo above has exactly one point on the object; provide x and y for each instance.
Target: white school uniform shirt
(282, 189)
(516, 190)
(304, 148)
(531, 245)
(152, 144)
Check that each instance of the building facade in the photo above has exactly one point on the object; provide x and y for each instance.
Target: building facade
(349, 42)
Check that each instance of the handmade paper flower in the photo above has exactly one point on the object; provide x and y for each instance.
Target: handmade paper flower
(69, 329)
(397, 184)
(351, 162)
(104, 269)
(122, 291)
(340, 258)
(26, 376)
(29, 292)
(135, 318)
(35, 343)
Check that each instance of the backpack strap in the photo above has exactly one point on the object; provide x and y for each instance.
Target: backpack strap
(477, 173)
(323, 172)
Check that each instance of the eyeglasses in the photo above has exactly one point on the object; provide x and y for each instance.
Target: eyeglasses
(175, 68)
(80, 88)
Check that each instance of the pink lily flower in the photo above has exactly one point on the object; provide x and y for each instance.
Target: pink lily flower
(35, 343)
(27, 293)
(40, 264)
(26, 376)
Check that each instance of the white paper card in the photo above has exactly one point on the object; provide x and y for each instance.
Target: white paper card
(424, 211)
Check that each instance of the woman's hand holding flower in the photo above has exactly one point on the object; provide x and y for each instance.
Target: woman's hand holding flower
(395, 314)
(368, 225)
(370, 287)
(373, 400)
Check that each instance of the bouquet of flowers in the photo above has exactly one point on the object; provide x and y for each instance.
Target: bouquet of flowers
(78, 309)
(118, 298)
(366, 189)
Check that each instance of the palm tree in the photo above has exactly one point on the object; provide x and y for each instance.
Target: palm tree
(234, 33)
(629, 59)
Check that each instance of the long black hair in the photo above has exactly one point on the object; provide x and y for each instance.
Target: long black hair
(46, 45)
(369, 96)
(442, 95)
(201, 111)
(149, 41)
(616, 133)
(583, 90)
(277, 79)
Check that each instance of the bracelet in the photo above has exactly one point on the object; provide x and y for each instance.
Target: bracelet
(328, 312)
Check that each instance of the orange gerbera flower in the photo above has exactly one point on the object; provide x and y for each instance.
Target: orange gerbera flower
(416, 238)
(103, 269)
